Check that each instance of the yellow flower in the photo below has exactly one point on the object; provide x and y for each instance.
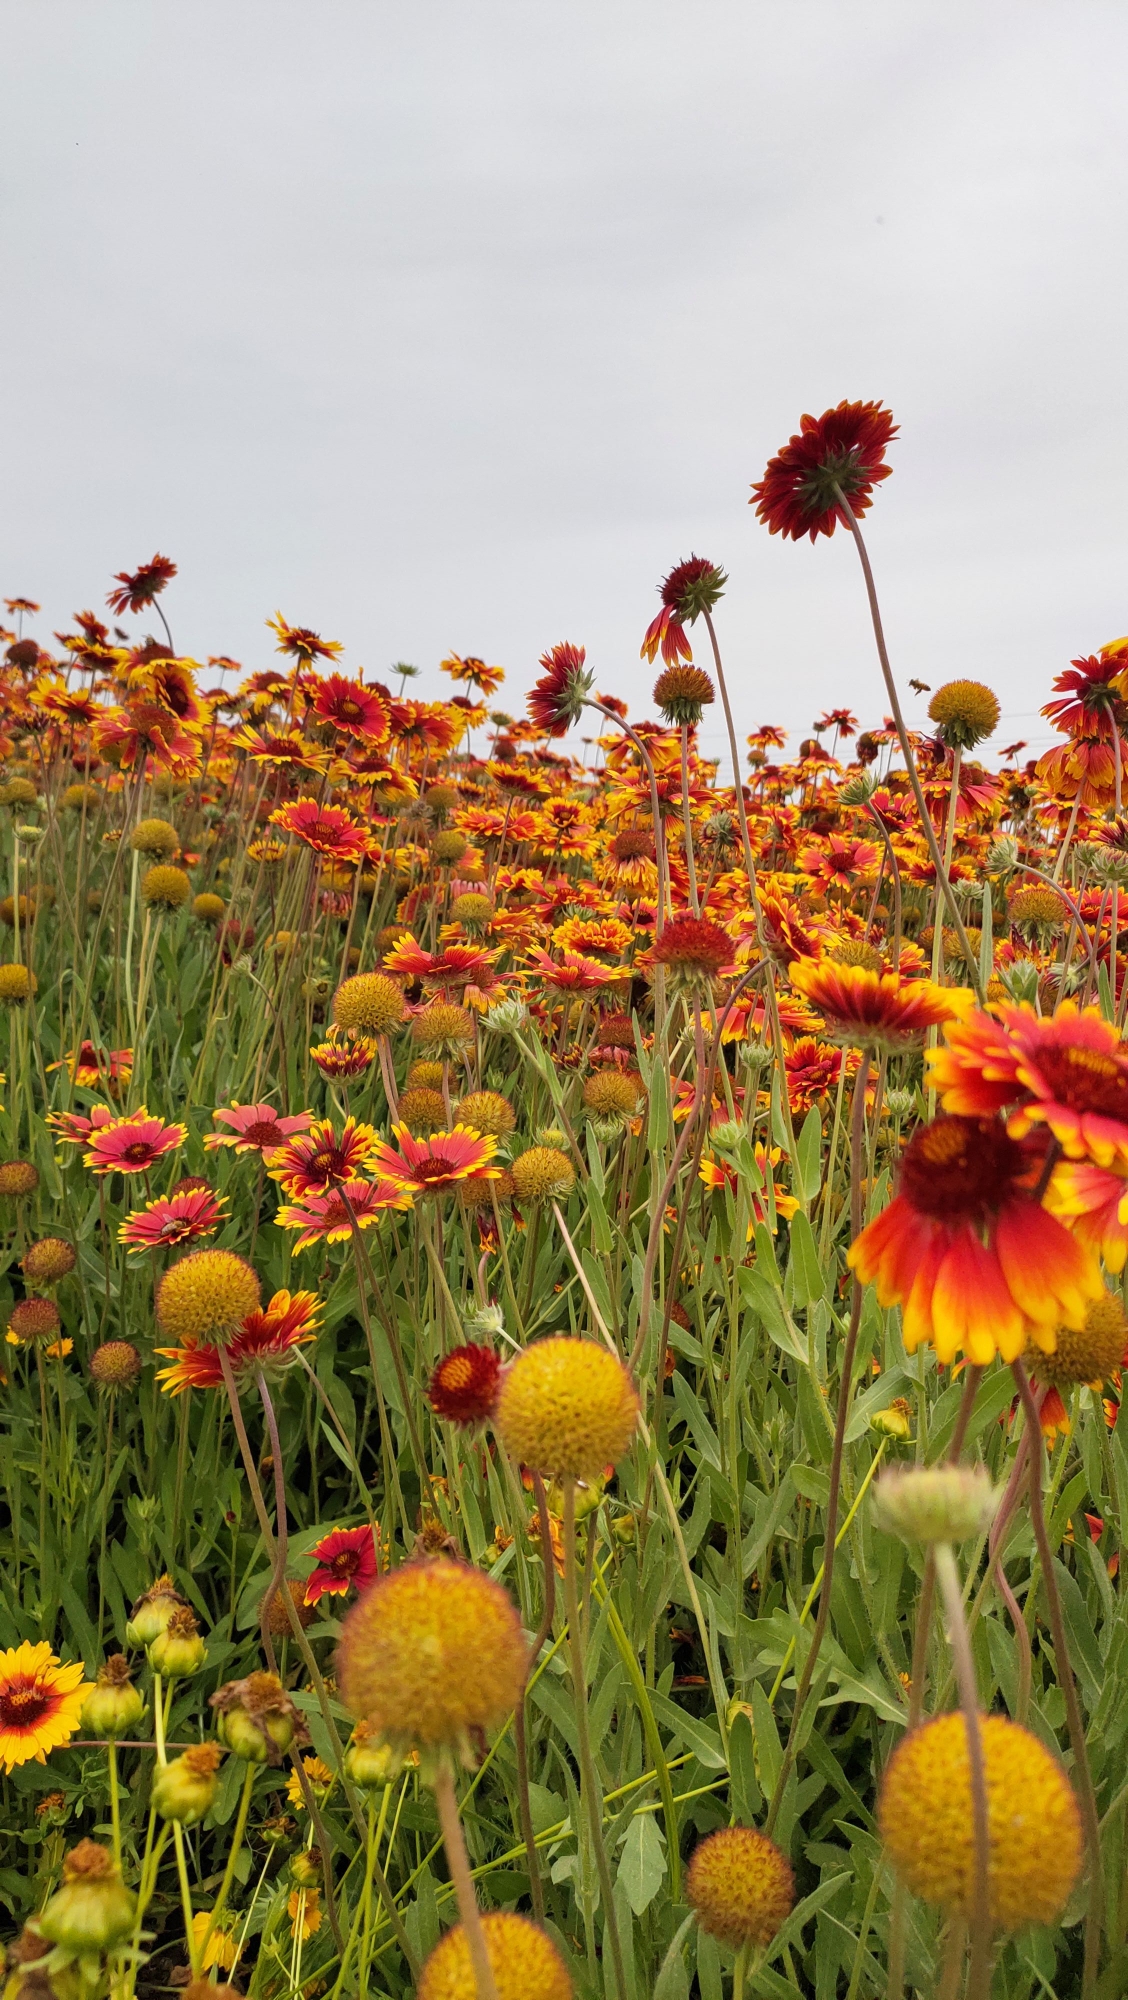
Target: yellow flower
(40, 1703)
(305, 1913)
(320, 1782)
(221, 1948)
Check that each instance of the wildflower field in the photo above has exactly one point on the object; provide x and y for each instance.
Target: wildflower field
(564, 1321)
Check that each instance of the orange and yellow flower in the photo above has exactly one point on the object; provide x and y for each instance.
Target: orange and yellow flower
(40, 1703)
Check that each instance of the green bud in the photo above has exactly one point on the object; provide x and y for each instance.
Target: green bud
(152, 1612)
(936, 1503)
(185, 1789)
(369, 1763)
(179, 1651)
(256, 1718)
(113, 1706)
(93, 1911)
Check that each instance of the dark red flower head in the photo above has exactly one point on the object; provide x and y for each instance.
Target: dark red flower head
(693, 944)
(134, 592)
(463, 1387)
(841, 451)
(557, 699)
(692, 587)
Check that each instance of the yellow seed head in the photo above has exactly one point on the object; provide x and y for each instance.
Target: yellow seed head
(424, 1076)
(1038, 908)
(487, 1111)
(368, 1004)
(964, 713)
(208, 908)
(567, 1408)
(543, 1174)
(155, 839)
(422, 1111)
(855, 951)
(926, 1820)
(432, 1655)
(740, 1885)
(525, 1963)
(613, 1093)
(165, 888)
(17, 984)
(448, 847)
(473, 911)
(444, 1029)
(206, 1295)
(1091, 1354)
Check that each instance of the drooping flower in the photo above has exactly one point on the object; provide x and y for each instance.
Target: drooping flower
(319, 1159)
(329, 830)
(136, 591)
(302, 644)
(346, 1560)
(173, 1219)
(874, 1010)
(843, 448)
(324, 1218)
(974, 1260)
(40, 1703)
(691, 588)
(557, 699)
(255, 1128)
(133, 1144)
(436, 1164)
(264, 1342)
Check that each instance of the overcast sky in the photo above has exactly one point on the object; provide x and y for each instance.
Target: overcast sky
(446, 325)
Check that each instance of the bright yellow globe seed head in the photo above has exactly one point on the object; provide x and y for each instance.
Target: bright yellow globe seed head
(368, 1004)
(926, 1820)
(525, 1963)
(741, 1886)
(206, 1295)
(567, 1408)
(1092, 1353)
(432, 1656)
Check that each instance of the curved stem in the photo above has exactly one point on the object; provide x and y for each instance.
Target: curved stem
(687, 822)
(979, 1976)
(459, 1863)
(929, 830)
(1082, 1774)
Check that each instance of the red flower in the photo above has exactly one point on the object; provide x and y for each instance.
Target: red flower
(557, 699)
(436, 1164)
(174, 1218)
(264, 1343)
(1092, 697)
(256, 1128)
(1070, 1074)
(319, 1160)
(693, 587)
(474, 672)
(874, 1010)
(136, 591)
(323, 1218)
(976, 1263)
(329, 830)
(338, 1058)
(692, 949)
(844, 448)
(131, 1145)
(463, 1387)
(576, 973)
(353, 708)
(455, 965)
(346, 1560)
(301, 643)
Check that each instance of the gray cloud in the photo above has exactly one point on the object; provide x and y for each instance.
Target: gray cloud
(447, 326)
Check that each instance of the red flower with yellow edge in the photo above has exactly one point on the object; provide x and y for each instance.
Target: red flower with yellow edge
(255, 1128)
(455, 965)
(264, 1344)
(1093, 1203)
(339, 1059)
(302, 644)
(352, 708)
(841, 451)
(136, 591)
(976, 1263)
(172, 1219)
(557, 699)
(1092, 699)
(812, 1069)
(347, 1559)
(840, 862)
(133, 1144)
(464, 1385)
(89, 1067)
(40, 1703)
(874, 1010)
(171, 683)
(692, 587)
(1069, 1073)
(721, 1174)
(575, 973)
(324, 1218)
(285, 752)
(431, 726)
(329, 830)
(318, 1160)
(73, 1129)
(436, 1164)
(473, 672)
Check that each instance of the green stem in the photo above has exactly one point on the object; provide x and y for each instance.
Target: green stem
(589, 1780)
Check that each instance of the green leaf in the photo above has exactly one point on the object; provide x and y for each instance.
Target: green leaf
(807, 1274)
(642, 1862)
(768, 1748)
(810, 1150)
(672, 1982)
(704, 1742)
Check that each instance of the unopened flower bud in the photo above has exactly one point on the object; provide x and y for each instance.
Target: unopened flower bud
(185, 1789)
(305, 1869)
(152, 1612)
(93, 1911)
(896, 1421)
(113, 1706)
(178, 1651)
(936, 1503)
(256, 1718)
(369, 1763)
